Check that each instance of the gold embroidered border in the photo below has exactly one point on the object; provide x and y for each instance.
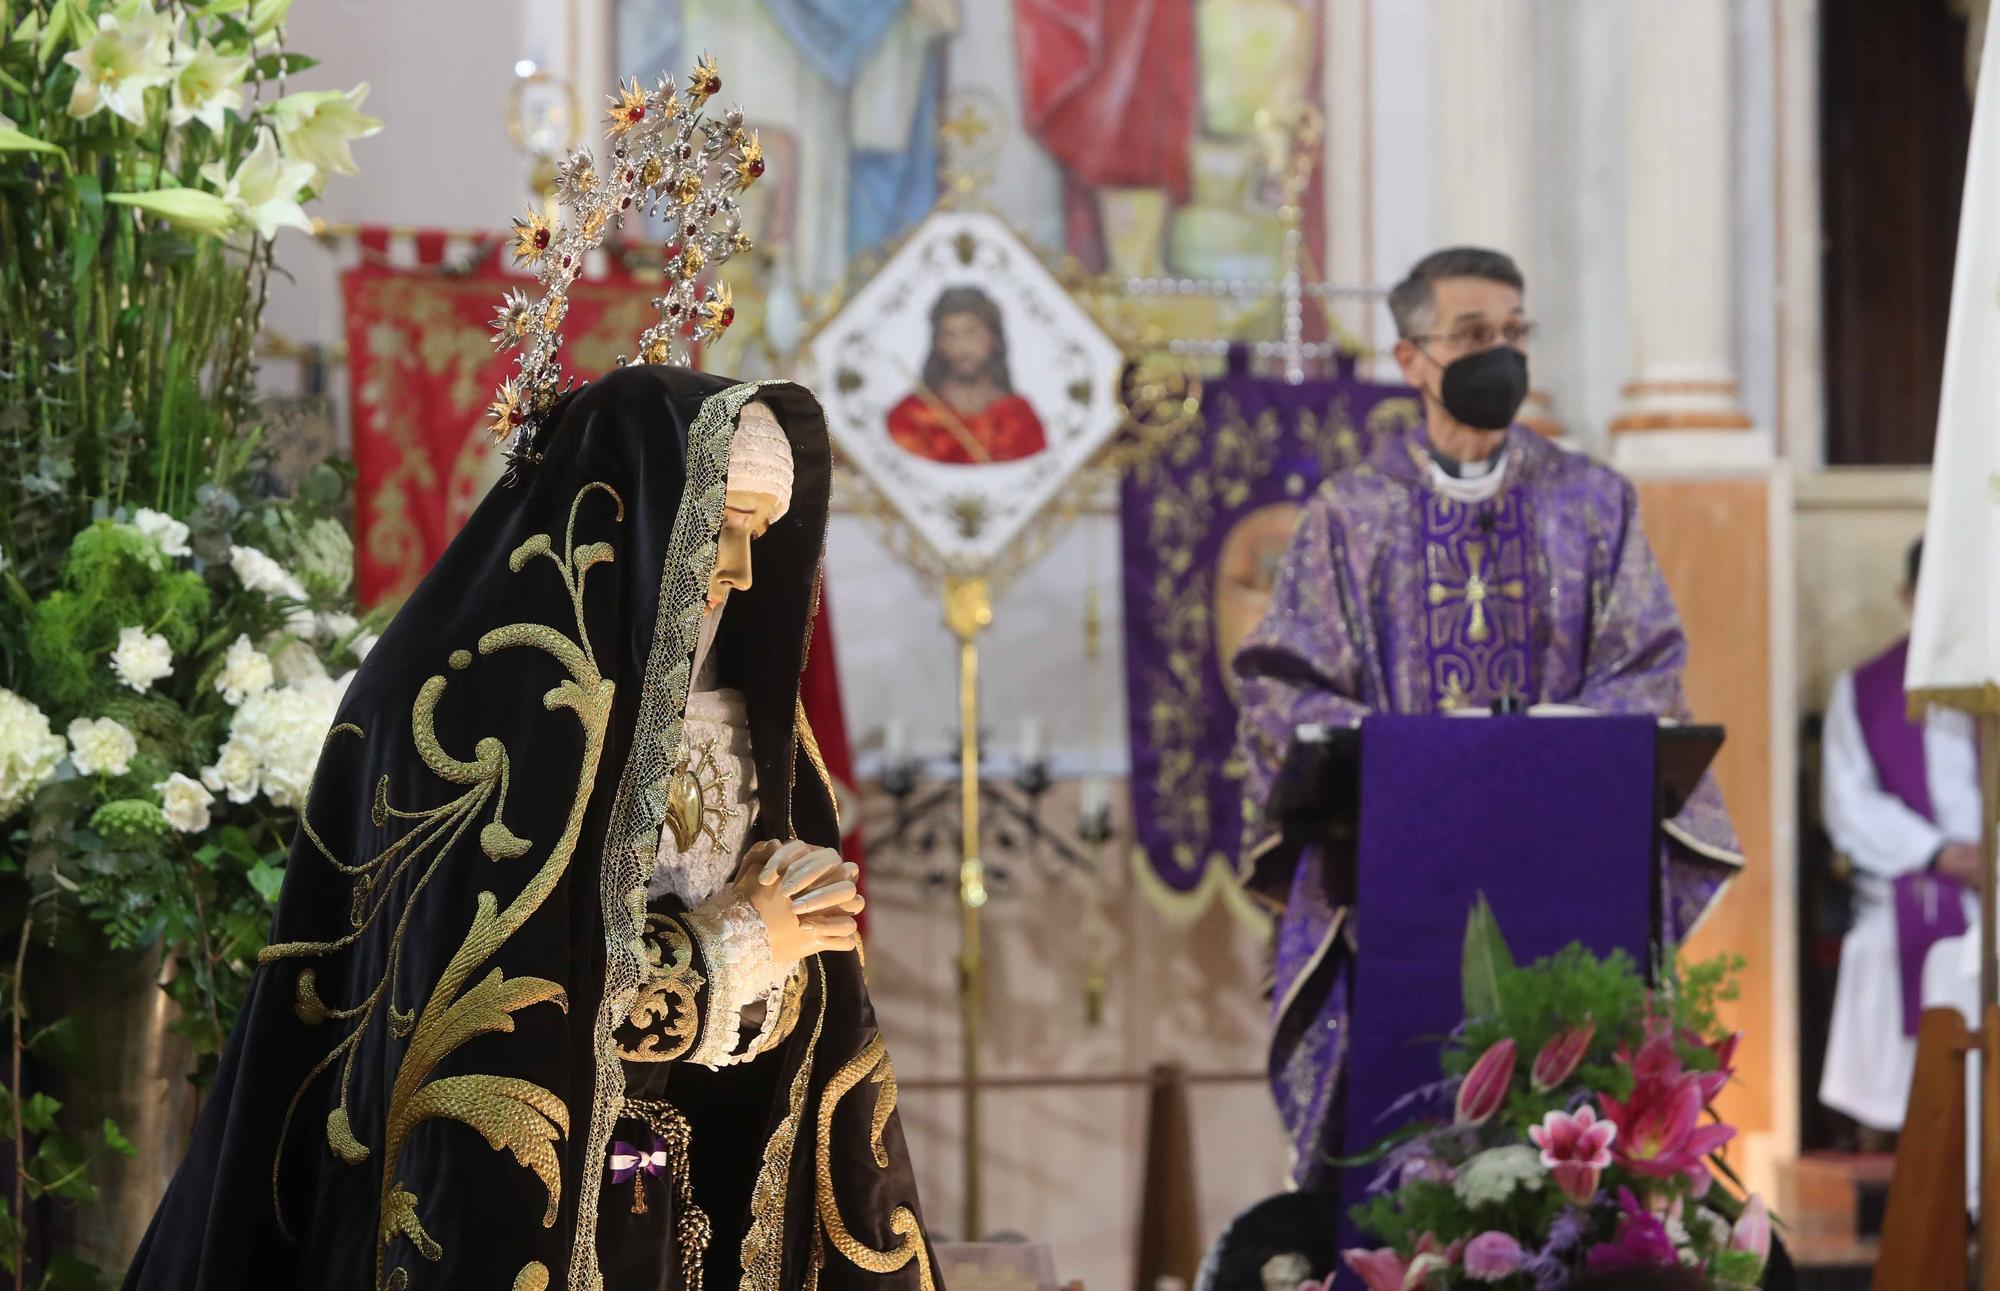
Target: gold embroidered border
(665, 1015)
(639, 811)
(872, 1063)
(764, 1241)
(810, 744)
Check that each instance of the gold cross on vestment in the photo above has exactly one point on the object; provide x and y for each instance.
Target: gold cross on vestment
(1478, 585)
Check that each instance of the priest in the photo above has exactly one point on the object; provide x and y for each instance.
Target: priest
(1465, 561)
(1901, 803)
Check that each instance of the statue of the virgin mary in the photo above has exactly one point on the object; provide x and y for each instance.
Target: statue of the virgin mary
(563, 986)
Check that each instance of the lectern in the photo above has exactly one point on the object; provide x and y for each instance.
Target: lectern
(1556, 819)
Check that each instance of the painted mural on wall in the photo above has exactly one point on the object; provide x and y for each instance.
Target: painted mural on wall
(1128, 136)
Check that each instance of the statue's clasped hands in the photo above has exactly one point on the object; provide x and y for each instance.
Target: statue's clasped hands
(805, 895)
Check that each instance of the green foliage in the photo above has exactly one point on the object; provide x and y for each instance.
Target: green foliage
(1728, 1270)
(113, 577)
(130, 823)
(1401, 1218)
(1567, 988)
(1485, 959)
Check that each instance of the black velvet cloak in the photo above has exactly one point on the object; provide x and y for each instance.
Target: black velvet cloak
(469, 1007)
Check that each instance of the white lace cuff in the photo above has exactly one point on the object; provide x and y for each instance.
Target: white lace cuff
(736, 948)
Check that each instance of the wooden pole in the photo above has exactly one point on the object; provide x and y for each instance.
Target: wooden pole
(1169, 1210)
(967, 611)
(1923, 1235)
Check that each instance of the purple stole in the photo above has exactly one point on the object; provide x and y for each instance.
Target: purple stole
(1928, 905)
(1476, 600)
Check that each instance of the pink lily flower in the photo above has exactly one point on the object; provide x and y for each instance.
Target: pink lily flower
(1752, 1232)
(1576, 1148)
(1484, 1089)
(1379, 1270)
(1560, 1057)
(1385, 1270)
(1660, 1133)
(1713, 1082)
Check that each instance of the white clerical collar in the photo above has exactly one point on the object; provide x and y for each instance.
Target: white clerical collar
(1470, 487)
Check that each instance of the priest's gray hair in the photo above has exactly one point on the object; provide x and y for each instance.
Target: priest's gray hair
(1412, 301)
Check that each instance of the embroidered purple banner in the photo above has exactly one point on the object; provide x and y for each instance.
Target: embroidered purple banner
(1205, 522)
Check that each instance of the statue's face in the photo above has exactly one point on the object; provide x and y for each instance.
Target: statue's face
(745, 517)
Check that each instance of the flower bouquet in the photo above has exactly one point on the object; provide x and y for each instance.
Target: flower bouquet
(175, 622)
(1571, 1133)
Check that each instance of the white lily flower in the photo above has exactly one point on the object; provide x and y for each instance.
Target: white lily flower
(116, 67)
(266, 15)
(204, 86)
(319, 126)
(264, 191)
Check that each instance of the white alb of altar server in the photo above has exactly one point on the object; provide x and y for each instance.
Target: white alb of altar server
(1901, 802)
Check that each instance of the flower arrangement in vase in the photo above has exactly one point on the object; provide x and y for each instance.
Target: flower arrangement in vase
(1573, 1133)
(176, 625)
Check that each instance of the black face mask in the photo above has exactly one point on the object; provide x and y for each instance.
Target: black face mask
(1486, 389)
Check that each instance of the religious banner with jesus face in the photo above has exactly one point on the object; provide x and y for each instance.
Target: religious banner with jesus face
(1205, 522)
(969, 387)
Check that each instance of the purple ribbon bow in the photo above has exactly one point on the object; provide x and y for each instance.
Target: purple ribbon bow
(628, 1161)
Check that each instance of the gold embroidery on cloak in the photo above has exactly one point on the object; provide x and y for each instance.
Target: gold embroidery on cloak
(871, 1064)
(764, 1241)
(509, 1112)
(665, 1015)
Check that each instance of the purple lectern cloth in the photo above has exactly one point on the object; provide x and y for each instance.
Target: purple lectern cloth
(1552, 818)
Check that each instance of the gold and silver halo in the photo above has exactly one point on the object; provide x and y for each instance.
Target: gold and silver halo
(666, 158)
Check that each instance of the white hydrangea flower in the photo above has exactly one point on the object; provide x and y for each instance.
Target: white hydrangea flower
(1492, 1176)
(141, 658)
(274, 741)
(364, 643)
(260, 573)
(184, 802)
(336, 624)
(29, 752)
(100, 746)
(297, 662)
(234, 772)
(169, 534)
(246, 670)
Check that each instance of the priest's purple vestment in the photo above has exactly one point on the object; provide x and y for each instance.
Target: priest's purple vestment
(1405, 592)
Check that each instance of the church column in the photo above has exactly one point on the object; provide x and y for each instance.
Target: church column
(1484, 71)
(1681, 400)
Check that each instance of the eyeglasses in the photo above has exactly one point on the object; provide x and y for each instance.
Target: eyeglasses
(1484, 335)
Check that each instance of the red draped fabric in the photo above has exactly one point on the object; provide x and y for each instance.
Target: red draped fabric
(421, 370)
(1108, 87)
